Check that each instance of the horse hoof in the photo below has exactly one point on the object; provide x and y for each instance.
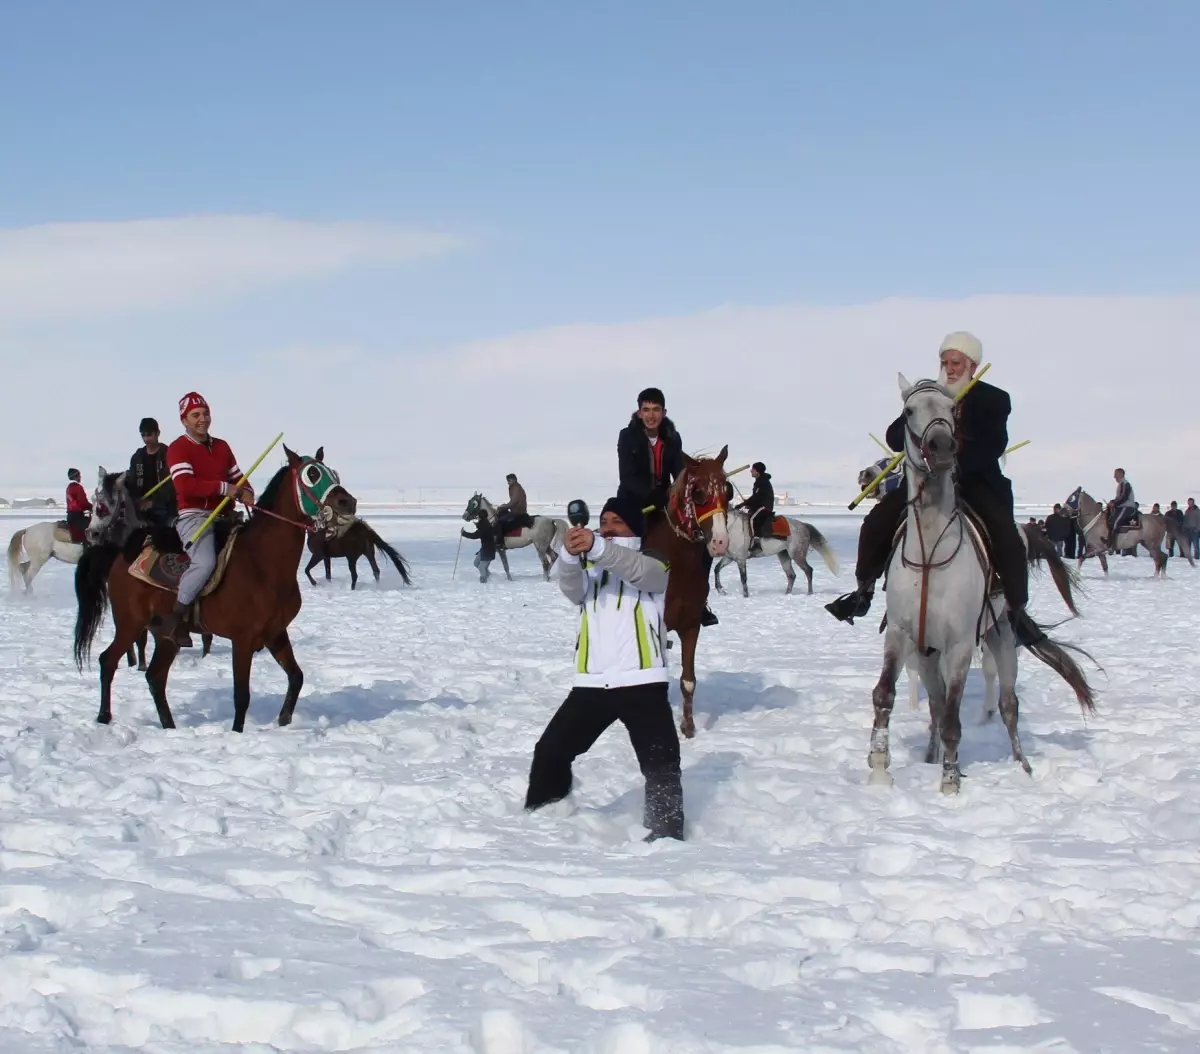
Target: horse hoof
(104, 719)
(142, 667)
(950, 783)
(1027, 767)
(879, 759)
(688, 728)
(880, 777)
(284, 721)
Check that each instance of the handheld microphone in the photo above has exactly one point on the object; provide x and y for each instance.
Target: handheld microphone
(578, 513)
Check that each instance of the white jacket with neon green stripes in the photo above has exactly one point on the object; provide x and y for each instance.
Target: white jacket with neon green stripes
(620, 593)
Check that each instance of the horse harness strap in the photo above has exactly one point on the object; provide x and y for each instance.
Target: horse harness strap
(927, 564)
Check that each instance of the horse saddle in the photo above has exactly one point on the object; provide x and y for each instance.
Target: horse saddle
(65, 533)
(517, 524)
(163, 570)
(780, 528)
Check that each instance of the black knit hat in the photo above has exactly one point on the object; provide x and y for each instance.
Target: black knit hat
(73, 472)
(629, 510)
(652, 395)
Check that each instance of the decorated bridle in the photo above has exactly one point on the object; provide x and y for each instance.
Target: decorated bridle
(925, 465)
(314, 481)
(690, 506)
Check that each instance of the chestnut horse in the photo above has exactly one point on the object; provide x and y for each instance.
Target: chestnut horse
(253, 606)
(693, 521)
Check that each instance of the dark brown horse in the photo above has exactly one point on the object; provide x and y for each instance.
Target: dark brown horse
(253, 606)
(359, 539)
(693, 522)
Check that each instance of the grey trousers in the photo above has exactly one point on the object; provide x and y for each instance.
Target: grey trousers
(203, 554)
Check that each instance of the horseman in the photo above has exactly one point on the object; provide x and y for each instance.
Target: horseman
(1124, 506)
(760, 506)
(78, 507)
(147, 469)
(514, 512)
(981, 419)
(650, 459)
(203, 470)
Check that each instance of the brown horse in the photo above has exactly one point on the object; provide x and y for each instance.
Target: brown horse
(253, 606)
(359, 539)
(693, 521)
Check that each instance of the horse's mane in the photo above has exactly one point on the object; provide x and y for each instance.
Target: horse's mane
(270, 493)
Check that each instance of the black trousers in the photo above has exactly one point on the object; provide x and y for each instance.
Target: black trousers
(584, 716)
(990, 498)
(77, 522)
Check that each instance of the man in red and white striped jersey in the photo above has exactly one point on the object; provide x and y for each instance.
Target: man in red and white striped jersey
(203, 470)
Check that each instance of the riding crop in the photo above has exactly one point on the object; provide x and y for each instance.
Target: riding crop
(229, 497)
(900, 457)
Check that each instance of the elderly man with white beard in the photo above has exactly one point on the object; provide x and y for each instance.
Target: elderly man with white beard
(981, 418)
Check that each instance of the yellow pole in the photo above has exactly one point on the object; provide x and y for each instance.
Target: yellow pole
(166, 479)
(900, 457)
(735, 471)
(882, 445)
(1017, 446)
(228, 497)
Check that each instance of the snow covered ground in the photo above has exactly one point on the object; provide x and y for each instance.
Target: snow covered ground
(367, 880)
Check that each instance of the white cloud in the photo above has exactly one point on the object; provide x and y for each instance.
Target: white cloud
(1095, 382)
(73, 270)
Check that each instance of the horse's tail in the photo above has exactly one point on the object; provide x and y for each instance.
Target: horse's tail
(91, 591)
(818, 542)
(398, 561)
(1038, 548)
(1057, 656)
(14, 558)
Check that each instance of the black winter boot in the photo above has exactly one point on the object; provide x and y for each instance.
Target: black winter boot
(663, 813)
(854, 605)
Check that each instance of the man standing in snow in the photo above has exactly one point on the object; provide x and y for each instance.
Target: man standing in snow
(620, 667)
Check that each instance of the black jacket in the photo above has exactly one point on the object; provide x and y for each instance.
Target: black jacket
(635, 462)
(486, 536)
(982, 432)
(145, 470)
(1058, 527)
(762, 496)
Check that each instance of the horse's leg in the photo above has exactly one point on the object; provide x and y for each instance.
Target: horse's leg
(687, 680)
(108, 661)
(243, 659)
(141, 650)
(328, 566)
(206, 639)
(308, 569)
(742, 575)
(882, 698)
(935, 688)
(165, 650)
(353, 562)
(370, 555)
(989, 680)
(544, 557)
(785, 561)
(281, 651)
(958, 662)
(1003, 650)
(806, 567)
(717, 573)
(503, 551)
(131, 655)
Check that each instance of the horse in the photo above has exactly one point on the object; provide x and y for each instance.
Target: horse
(694, 520)
(799, 537)
(115, 516)
(938, 600)
(254, 603)
(42, 542)
(356, 540)
(1093, 524)
(891, 482)
(545, 535)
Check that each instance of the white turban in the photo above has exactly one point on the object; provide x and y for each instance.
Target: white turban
(965, 344)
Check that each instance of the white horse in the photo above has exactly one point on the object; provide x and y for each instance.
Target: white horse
(41, 542)
(795, 547)
(546, 534)
(937, 598)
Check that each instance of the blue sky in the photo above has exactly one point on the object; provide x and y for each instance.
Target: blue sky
(619, 161)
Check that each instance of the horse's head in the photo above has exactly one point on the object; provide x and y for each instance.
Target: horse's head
(112, 508)
(867, 476)
(471, 512)
(697, 502)
(930, 442)
(319, 492)
(1072, 503)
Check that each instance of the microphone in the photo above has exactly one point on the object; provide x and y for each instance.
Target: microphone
(578, 515)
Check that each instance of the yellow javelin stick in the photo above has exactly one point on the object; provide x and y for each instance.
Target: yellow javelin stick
(1017, 446)
(162, 482)
(900, 457)
(882, 445)
(229, 497)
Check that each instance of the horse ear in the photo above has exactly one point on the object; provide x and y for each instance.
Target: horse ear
(905, 387)
(292, 456)
(688, 460)
(103, 473)
(320, 454)
(723, 454)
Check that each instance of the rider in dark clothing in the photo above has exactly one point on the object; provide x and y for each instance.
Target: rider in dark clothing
(147, 468)
(650, 459)
(760, 505)
(981, 416)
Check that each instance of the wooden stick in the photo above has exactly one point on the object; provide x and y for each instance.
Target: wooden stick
(229, 497)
